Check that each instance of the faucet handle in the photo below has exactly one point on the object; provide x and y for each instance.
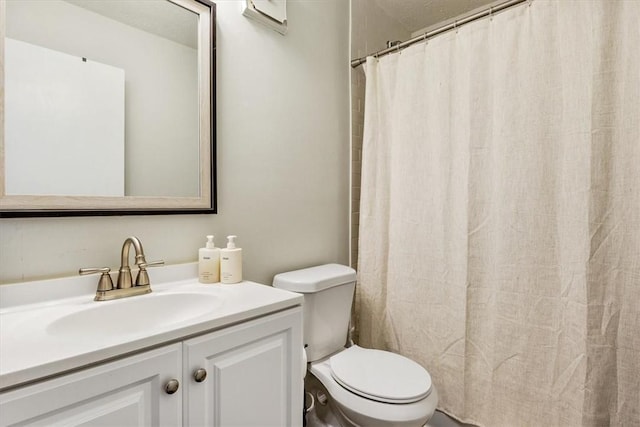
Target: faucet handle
(144, 265)
(105, 283)
(143, 277)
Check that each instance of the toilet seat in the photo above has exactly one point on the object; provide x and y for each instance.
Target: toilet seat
(380, 375)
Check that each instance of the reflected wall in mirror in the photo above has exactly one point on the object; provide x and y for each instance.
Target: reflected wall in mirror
(108, 107)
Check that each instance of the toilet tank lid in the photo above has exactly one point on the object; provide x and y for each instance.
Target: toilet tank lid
(315, 279)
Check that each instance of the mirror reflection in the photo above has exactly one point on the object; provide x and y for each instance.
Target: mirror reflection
(101, 99)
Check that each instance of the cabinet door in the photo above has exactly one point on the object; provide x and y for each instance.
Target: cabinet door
(127, 392)
(254, 374)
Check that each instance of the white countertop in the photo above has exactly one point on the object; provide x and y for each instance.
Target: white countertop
(30, 351)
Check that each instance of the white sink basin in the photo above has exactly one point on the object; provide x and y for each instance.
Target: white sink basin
(134, 315)
(49, 326)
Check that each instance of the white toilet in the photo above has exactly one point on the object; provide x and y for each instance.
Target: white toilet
(368, 387)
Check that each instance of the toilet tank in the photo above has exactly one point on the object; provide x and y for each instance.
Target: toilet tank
(328, 294)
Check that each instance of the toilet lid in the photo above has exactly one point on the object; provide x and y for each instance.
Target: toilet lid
(380, 375)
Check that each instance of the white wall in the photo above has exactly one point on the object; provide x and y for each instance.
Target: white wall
(75, 107)
(283, 161)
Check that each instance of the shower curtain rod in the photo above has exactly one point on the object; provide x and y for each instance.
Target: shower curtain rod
(429, 34)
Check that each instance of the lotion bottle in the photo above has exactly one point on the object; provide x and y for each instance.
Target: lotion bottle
(209, 262)
(231, 262)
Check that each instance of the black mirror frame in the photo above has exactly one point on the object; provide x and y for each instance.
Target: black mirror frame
(211, 209)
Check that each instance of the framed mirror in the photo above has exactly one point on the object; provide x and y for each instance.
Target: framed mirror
(107, 107)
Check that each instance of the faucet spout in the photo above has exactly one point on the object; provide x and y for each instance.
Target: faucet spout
(137, 245)
(124, 274)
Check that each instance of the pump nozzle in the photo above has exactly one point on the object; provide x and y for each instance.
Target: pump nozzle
(231, 242)
(210, 244)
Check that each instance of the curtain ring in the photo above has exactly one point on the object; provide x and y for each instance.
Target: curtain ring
(491, 13)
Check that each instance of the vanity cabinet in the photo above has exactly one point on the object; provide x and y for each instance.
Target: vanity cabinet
(126, 392)
(247, 374)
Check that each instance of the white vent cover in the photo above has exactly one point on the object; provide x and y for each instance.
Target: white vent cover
(272, 13)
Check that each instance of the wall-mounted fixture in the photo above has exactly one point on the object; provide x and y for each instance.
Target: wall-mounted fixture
(272, 13)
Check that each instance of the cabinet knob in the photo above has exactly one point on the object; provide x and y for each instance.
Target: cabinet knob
(200, 375)
(172, 386)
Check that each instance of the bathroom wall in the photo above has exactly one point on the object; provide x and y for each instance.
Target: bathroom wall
(283, 161)
(371, 28)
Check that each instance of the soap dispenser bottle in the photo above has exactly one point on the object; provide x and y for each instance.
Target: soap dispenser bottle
(209, 262)
(231, 262)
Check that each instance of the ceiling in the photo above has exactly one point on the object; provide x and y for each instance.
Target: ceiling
(415, 15)
(163, 19)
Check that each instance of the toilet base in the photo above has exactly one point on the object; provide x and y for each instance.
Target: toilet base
(322, 414)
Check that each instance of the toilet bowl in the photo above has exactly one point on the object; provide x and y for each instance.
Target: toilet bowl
(367, 387)
(366, 391)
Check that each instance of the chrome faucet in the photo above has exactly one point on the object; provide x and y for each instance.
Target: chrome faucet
(125, 287)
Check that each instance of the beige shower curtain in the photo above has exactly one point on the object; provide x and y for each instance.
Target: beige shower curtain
(500, 214)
